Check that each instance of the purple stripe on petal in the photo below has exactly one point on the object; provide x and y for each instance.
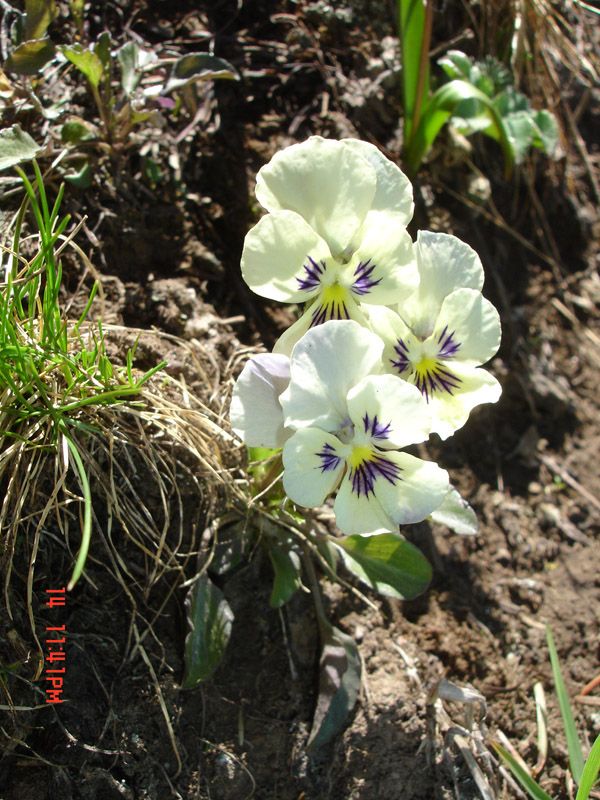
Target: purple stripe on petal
(363, 476)
(334, 309)
(375, 428)
(314, 272)
(329, 459)
(363, 278)
(436, 379)
(448, 346)
(403, 361)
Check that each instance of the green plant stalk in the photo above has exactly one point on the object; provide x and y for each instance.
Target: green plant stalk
(86, 530)
(573, 744)
(527, 782)
(415, 64)
(422, 90)
(590, 772)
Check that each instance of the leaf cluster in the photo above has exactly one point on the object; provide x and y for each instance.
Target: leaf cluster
(130, 86)
(479, 96)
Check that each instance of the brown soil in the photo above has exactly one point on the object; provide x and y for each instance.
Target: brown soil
(170, 259)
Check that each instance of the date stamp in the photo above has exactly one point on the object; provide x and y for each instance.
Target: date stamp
(56, 651)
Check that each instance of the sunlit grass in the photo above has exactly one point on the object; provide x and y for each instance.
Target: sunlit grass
(51, 369)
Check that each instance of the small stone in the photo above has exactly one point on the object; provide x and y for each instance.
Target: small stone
(550, 514)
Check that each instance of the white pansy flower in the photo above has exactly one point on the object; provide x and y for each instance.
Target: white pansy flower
(335, 236)
(255, 413)
(441, 335)
(351, 422)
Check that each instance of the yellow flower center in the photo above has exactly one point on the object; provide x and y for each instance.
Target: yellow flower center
(425, 366)
(334, 294)
(334, 302)
(360, 453)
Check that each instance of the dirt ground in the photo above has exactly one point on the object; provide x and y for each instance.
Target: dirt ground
(169, 259)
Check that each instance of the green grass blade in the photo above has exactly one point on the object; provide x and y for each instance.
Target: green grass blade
(86, 531)
(414, 18)
(573, 743)
(440, 108)
(590, 772)
(534, 790)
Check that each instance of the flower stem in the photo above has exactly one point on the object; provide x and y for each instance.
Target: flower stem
(313, 583)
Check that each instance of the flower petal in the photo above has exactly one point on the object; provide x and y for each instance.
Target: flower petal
(386, 251)
(391, 328)
(330, 185)
(275, 253)
(327, 361)
(365, 515)
(286, 342)
(445, 264)
(312, 466)
(451, 411)
(389, 411)
(421, 489)
(394, 190)
(473, 322)
(255, 413)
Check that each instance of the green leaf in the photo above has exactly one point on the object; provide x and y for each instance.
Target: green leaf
(440, 108)
(456, 65)
(131, 60)
(81, 177)
(519, 126)
(455, 513)
(590, 772)
(16, 146)
(339, 685)
(102, 48)
(510, 101)
(38, 15)
(231, 547)
(286, 566)
(75, 131)
(573, 743)
(209, 617)
(387, 563)
(30, 56)
(198, 67)
(415, 80)
(534, 789)
(86, 61)
(545, 132)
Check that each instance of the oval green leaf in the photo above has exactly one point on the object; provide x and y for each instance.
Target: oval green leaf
(339, 685)
(387, 563)
(198, 67)
(16, 146)
(287, 580)
(29, 57)
(86, 61)
(209, 617)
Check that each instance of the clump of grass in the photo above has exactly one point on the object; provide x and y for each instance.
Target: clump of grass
(126, 451)
(51, 370)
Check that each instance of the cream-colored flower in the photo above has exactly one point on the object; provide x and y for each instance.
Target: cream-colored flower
(335, 236)
(438, 338)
